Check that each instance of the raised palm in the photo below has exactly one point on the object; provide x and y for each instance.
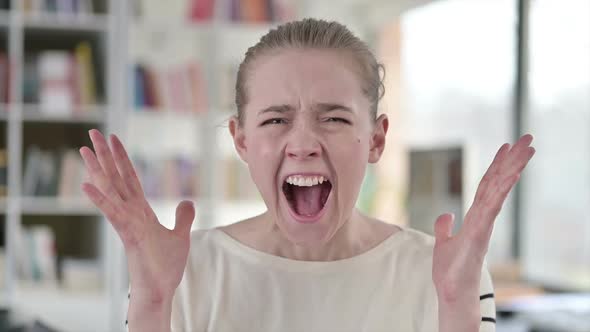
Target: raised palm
(156, 255)
(458, 259)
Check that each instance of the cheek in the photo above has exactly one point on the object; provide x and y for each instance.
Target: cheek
(350, 159)
(352, 147)
(264, 158)
(265, 148)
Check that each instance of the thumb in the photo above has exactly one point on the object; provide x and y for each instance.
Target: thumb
(185, 214)
(443, 227)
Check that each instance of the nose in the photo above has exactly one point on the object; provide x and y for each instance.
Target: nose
(302, 144)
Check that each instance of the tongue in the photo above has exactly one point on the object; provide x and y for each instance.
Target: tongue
(307, 200)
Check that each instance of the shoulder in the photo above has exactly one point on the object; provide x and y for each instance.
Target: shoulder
(205, 244)
(211, 243)
(416, 245)
(202, 237)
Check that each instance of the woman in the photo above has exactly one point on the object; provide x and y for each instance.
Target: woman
(306, 125)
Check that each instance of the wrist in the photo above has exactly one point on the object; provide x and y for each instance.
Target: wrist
(459, 316)
(148, 313)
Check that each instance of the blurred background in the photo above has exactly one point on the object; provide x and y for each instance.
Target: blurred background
(462, 78)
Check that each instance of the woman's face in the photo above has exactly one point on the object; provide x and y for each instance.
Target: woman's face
(307, 136)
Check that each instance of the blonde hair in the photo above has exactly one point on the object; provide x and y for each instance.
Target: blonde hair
(315, 34)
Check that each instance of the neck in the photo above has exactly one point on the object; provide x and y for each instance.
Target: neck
(355, 236)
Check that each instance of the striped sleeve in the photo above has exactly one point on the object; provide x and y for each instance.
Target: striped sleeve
(487, 303)
(126, 306)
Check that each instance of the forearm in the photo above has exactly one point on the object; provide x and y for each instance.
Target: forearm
(149, 315)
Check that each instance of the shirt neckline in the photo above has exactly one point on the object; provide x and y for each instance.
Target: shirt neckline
(260, 257)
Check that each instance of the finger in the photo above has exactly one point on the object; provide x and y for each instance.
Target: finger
(501, 154)
(507, 155)
(185, 214)
(125, 167)
(487, 209)
(499, 159)
(97, 176)
(522, 143)
(105, 159)
(496, 165)
(498, 197)
(519, 148)
(102, 202)
(443, 226)
(498, 172)
(522, 160)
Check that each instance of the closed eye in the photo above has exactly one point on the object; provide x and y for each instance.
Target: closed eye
(274, 121)
(341, 120)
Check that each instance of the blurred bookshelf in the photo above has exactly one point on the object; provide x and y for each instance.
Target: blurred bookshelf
(55, 84)
(181, 94)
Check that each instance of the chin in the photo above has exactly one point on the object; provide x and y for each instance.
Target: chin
(308, 232)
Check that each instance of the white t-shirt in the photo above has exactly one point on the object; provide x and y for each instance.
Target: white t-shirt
(228, 286)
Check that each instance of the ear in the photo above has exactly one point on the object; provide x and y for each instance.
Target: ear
(377, 143)
(237, 133)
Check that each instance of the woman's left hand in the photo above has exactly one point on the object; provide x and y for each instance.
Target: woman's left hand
(458, 259)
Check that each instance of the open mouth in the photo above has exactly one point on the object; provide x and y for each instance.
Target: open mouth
(307, 195)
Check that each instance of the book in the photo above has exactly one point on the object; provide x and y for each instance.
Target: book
(260, 11)
(178, 88)
(169, 178)
(251, 11)
(37, 255)
(30, 83)
(71, 174)
(201, 10)
(4, 78)
(47, 177)
(85, 73)
(30, 175)
(60, 81)
(3, 173)
(228, 74)
(56, 93)
(53, 173)
(238, 182)
(255, 10)
(59, 7)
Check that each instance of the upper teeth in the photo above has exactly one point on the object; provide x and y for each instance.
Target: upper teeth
(305, 181)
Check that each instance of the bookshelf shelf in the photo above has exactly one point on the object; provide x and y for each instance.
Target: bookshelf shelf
(51, 21)
(58, 206)
(162, 113)
(168, 25)
(84, 114)
(220, 26)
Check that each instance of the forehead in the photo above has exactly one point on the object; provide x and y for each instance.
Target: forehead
(295, 76)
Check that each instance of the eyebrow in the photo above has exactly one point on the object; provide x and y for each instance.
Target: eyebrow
(329, 107)
(321, 107)
(277, 109)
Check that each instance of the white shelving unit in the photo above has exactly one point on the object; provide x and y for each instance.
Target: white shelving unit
(213, 45)
(23, 33)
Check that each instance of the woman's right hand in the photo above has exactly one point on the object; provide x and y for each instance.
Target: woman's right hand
(156, 256)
